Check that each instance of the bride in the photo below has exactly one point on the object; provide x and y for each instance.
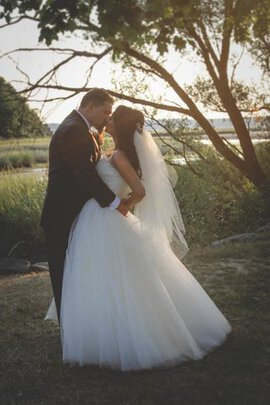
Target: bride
(128, 302)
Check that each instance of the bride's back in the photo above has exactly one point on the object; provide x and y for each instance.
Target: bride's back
(111, 177)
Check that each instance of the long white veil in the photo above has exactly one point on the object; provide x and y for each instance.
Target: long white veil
(159, 212)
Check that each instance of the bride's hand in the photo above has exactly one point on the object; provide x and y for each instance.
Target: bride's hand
(133, 199)
(130, 205)
(123, 208)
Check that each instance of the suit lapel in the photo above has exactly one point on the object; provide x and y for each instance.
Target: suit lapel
(96, 145)
(91, 136)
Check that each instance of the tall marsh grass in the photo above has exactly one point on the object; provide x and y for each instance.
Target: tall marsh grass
(217, 203)
(16, 160)
(21, 200)
(16, 153)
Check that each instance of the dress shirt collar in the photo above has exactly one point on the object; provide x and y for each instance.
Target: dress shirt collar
(89, 126)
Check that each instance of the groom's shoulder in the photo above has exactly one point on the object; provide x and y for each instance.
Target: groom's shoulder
(72, 122)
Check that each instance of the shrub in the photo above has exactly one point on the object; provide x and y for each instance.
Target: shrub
(219, 202)
(16, 160)
(41, 156)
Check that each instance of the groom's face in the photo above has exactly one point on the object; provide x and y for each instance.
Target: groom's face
(98, 115)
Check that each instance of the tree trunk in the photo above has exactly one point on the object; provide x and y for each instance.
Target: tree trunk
(249, 166)
(252, 169)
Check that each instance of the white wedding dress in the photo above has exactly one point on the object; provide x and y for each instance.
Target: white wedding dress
(127, 301)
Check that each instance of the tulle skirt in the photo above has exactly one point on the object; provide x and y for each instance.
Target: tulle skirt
(127, 302)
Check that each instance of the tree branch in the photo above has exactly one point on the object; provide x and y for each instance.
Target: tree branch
(193, 111)
(227, 32)
(62, 50)
(166, 76)
(134, 100)
(53, 71)
(18, 19)
(205, 54)
(208, 44)
(144, 69)
(236, 64)
(183, 142)
(232, 146)
(181, 154)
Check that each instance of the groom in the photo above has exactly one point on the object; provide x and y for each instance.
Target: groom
(73, 154)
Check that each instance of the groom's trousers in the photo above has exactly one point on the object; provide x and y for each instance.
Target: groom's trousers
(56, 245)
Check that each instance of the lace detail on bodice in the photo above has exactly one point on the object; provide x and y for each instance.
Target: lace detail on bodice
(111, 177)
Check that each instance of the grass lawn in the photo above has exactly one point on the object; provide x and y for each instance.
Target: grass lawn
(236, 373)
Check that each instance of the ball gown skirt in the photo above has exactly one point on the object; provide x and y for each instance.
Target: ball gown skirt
(128, 302)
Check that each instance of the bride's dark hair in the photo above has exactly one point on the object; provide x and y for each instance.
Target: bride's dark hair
(126, 120)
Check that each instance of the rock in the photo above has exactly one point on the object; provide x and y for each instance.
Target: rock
(232, 239)
(41, 266)
(264, 228)
(11, 266)
(243, 237)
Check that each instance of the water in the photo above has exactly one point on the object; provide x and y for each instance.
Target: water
(43, 171)
(235, 141)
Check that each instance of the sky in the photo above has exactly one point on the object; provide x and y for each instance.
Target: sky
(25, 34)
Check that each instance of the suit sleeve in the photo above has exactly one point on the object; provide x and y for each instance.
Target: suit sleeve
(75, 152)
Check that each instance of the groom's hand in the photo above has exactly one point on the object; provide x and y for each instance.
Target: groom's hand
(122, 208)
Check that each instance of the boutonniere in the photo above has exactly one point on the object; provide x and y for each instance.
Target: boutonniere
(95, 140)
(98, 136)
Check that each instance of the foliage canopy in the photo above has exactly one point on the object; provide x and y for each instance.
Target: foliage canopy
(16, 118)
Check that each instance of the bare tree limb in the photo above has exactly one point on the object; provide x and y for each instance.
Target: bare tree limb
(236, 64)
(144, 69)
(205, 54)
(166, 76)
(62, 98)
(232, 146)
(53, 70)
(62, 50)
(227, 32)
(183, 142)
(178, 152)
(48, 76)
(16, 20)
(19, 70)
(208, 44)
(194, 112)
(134, 100)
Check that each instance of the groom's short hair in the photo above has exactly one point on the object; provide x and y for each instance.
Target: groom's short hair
(97, 97)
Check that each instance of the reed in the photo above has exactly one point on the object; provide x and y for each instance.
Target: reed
(21, 200)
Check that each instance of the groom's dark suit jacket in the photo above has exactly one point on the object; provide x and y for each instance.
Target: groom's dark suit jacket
(73, 154)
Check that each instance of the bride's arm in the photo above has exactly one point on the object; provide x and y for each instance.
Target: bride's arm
(125, 169)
